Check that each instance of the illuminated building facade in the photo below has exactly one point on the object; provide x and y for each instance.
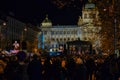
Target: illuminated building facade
(17, 30)
(87, 29)
(53, 36)
(14, 29)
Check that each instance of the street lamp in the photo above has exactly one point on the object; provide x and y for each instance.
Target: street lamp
(23, 42)
(1, 34)
(115, 35)
(23, 35)
(115, 25)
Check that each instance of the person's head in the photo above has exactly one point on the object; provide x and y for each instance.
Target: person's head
(35, 56)
(79, 61)
(63, 63)
(15, 41)
(21, 55)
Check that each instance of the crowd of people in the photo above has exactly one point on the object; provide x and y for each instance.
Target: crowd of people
(62, 67)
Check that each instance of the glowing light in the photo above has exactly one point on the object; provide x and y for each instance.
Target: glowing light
(104, 9)
(67, 3)
(4, 24)
(25, 29)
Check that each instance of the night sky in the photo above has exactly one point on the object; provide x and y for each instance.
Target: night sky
(60, 12)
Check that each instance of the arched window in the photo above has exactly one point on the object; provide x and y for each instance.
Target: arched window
(65, 39)
(60, 39)
(68, 39)
(64, 32)
(68, 32)
(57, 39)
(72, 39)
(85, 16)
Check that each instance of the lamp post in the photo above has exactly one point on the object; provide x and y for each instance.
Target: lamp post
(0, 37)
(23, 35)
(115, 25)
(115, 36)
(23, 42)
(1, 34)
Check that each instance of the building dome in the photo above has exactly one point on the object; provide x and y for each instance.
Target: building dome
(46, 22)
(89, 5)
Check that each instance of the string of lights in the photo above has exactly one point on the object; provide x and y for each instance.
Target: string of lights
(68, 3)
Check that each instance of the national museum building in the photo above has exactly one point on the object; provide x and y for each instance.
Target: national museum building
(87, 29)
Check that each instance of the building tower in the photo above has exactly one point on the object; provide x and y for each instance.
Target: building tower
(90, 24)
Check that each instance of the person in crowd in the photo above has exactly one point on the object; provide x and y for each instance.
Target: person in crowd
(11, 70)
(70, 67)
(114, 67)
(16, 45)
(43, 68)
(2, 67)
(90, 67)
(79, 70)
(34, 69)
(98, 65)
(63, 70)
(118, 61)
(56, 68)
(22, 69)
(48, 68)
(51, 71)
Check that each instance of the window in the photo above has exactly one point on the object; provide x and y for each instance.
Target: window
(72, 39)
(68, 32)
(45, 38)
(68, 39)
(75, 32)
(90, 15)
(52, 33)
(45, 32)
(64, 32)
(85, 15)
(52, 39)
(57, 39)
(60, 39)
(94, 15)
(56, 32)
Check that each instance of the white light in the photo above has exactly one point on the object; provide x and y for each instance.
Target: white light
(4, 24)
(51, 50)
(104, 9)
(25, 29)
